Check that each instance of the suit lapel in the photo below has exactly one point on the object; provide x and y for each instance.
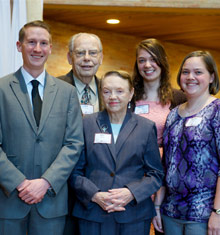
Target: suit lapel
(70, 77)
(97, 81)
(128, 125)
(50, 92)
(20, 90)
(105, 127)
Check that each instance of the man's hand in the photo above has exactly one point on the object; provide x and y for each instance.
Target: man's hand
(33, 191)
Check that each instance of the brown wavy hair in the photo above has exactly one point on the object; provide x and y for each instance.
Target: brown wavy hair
(157, 51)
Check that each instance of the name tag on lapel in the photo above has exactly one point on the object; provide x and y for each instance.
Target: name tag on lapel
(102, 138)
(87, 108)
(141, 109)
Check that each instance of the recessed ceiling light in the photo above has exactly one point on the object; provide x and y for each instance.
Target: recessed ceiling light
(113, 21)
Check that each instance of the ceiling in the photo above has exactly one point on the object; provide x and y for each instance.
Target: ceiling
(192, 27)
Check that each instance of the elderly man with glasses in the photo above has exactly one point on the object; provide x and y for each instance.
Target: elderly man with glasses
(85, 55)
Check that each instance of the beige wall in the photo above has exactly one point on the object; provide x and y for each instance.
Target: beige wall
(119, 51)
(142, 3)
(34, 10)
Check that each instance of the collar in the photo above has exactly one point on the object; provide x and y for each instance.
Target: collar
(28, 78)
(80, 85)
(104, 121)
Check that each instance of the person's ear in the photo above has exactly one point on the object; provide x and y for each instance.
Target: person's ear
(101, 58)
(212, 78)
(19, 44)
(69, 58)
(132, 93)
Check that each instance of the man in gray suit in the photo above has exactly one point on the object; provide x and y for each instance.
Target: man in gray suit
(85, 55)
(37, 155)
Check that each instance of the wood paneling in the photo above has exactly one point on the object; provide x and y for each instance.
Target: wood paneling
(118, 49)
(142, 3)
(188, 26)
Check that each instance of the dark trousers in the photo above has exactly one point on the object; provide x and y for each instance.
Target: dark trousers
(111, 227)
(158, 233)
(71, 226)
(32, 224)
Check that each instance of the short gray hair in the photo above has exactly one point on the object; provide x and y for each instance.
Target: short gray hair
(75, 36)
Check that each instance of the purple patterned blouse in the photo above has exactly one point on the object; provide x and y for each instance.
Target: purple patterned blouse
(192, 163)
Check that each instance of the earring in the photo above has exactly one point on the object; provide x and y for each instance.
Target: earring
(129, 105)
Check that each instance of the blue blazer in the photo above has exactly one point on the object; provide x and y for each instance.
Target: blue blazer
(133, 162)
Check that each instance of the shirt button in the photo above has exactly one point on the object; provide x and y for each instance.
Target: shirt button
(38, 140)
(112, 174)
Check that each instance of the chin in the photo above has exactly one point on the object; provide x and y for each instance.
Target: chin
(87, 74)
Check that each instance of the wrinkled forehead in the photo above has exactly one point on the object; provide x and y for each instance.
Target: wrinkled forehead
(114, 81)
(86, 42)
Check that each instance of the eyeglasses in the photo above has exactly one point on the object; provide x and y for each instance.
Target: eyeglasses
(92, 53)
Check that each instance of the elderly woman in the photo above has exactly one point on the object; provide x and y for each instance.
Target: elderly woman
(120, 167)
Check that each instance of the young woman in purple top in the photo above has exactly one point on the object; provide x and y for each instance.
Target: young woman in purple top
(192, 153)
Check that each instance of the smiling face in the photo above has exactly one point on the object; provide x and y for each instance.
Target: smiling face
(85, 58)
(195, 78)
(116, 94)
(147, 66)
(35, 49)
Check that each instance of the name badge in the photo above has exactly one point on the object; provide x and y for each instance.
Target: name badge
(195, 121)
(87, 108)
(102, 138)
(142, 109)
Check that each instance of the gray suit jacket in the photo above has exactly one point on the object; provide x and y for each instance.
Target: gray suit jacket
(50, 151)
(69, 78)
(133, 162)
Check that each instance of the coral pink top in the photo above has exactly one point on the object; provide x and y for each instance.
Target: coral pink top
(155, 112)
